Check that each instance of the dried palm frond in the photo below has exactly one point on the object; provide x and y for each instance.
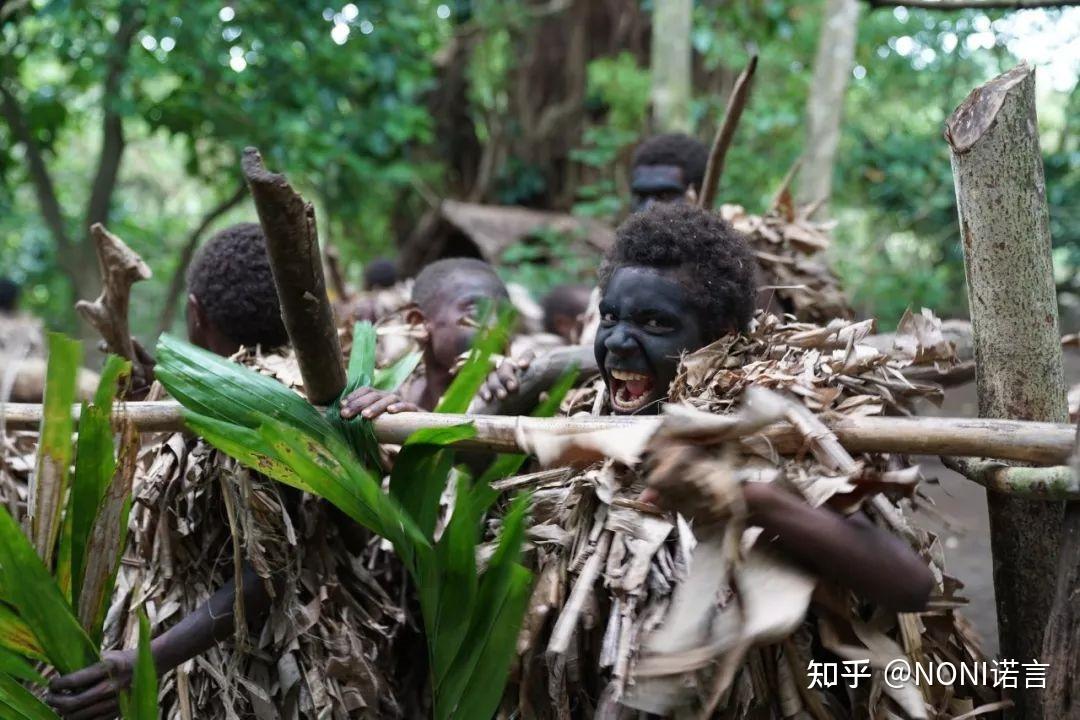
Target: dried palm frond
(324, 650)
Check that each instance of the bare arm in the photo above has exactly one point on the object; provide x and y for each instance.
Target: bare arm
(851, 551)
(93, 692)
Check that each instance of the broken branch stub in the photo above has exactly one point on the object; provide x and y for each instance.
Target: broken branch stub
(121, 267)
(292, 243)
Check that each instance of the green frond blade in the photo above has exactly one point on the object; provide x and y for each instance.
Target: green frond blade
(39, 602)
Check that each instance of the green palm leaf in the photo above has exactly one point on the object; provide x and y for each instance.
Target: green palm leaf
(500, 603)
(142, 702)
(54, 445)
(37, 599)
(19, 703)
(94, 468)
(16, 665)
(472, 374)
(16, 635)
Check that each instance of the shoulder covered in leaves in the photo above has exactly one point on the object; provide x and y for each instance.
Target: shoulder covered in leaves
(634, 609)
(793, 273)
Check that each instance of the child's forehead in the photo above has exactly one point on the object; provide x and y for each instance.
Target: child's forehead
(468, 284)
(644, 284)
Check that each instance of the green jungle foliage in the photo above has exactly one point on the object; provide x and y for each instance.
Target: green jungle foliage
(345, 101)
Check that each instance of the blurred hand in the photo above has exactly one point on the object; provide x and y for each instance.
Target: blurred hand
(371, 403)
(505, 379)
(93, 693)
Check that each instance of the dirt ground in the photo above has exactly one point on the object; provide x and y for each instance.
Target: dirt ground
(966, 532)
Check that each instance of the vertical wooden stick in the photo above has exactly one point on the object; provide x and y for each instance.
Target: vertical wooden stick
(1004, 227)
(722, 142)
(293, 245)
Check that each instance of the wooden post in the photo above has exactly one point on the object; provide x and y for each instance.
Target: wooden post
(293, 245)
(1040, 443)
(1062, 698)
(1004, 227)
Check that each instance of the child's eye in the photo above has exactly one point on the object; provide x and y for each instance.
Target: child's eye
(655, 325)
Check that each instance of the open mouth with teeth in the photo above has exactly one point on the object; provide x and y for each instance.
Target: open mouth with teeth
(630, 391)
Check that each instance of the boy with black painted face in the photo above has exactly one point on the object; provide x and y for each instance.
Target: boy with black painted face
(678, 278)
(448, 297)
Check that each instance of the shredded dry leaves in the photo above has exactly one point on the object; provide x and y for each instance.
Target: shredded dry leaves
(635, 611)
(792, 270)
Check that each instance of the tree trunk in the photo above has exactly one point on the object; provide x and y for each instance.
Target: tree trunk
(671, 66)
(1004, 227)
(292, 243)
(825, 103)
(76, 259)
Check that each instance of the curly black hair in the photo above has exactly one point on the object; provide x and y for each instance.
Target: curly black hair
(231, 278)
(677, 149)
(9, 294)
(433, 279)
(380, 273)
(712, 259)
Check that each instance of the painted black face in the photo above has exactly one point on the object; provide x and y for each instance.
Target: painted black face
(651, 184)
(647, 322)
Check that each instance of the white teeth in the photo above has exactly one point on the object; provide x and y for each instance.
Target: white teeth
(623, 375)
(625, 404)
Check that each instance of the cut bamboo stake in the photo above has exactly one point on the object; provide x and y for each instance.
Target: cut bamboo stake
(1004, 228)
(292, 243)
(1041, 443)
(735, 106)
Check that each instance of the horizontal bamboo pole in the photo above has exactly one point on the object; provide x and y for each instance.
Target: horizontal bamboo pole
(1033, 442)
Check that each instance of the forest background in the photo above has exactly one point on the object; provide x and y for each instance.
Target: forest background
(135, 113)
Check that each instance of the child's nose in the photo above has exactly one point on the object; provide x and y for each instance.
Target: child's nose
(620, 342)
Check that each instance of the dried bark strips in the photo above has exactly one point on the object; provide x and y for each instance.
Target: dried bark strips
(740, 653)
